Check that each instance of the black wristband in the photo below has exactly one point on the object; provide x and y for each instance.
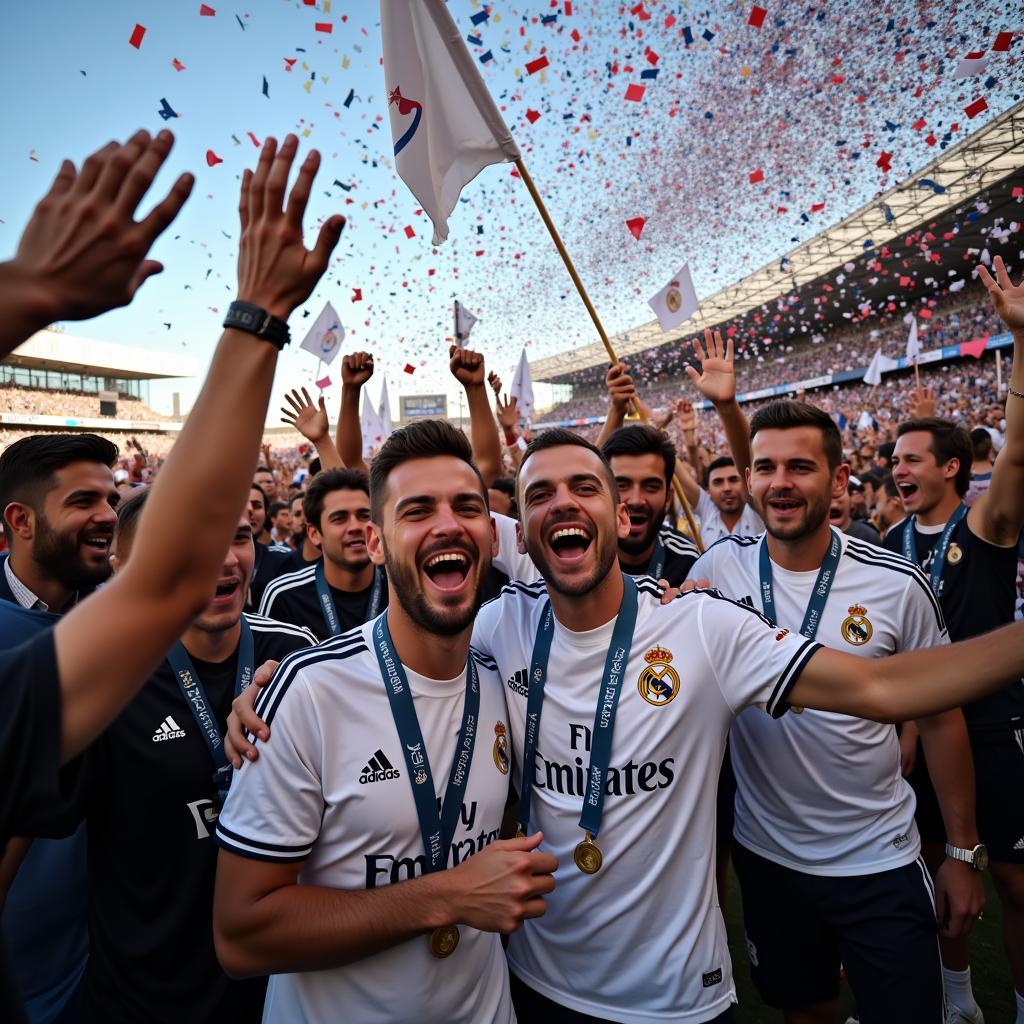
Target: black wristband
(244, 316)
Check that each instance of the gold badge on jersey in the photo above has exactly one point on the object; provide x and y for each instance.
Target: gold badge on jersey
(856, 628)
(500, 750)
(659, 682)
(954, 554)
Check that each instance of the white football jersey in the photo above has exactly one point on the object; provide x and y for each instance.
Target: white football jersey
(820, 792)
(642, 940)
(509, 560)
(332, 790)
(712, 529)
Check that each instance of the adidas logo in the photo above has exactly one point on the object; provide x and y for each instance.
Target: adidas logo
(519, 682)
(168, 730)
(379, 768)
(1019, 845)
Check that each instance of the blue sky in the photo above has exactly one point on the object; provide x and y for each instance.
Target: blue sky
(716, 111)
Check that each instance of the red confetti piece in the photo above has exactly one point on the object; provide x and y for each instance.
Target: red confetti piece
(252, 138)
(817, 207)
(324, 26)
(1018, 192)
(212, 158)
(884, 161)
(575, 35)
(357, 294)
(409, 233)
(757, 16)
(670, 21)
(177, 65)
(309, 3)
(931, 140)
(756, 177)
(532, 115)
(323, 382)
(975, 108)
(636, 226)
(1002, 43)
(635, 92)
(136, 39)
(409, 368)
(918, 125)
(206, 11)
(652, 57)
(534, 66)
(568, 8)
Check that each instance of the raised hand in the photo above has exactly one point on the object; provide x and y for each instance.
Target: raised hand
(243, 719)
(495, 382)
(1008, 300)
(922, 402)
(275, 270)
(508, 414)
(717, 379)
(356, 369)
(621, 388)
(688, 418)
(307, 418)
(83, 252)
(467, 366)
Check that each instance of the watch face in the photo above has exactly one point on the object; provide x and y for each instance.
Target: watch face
(981, 857)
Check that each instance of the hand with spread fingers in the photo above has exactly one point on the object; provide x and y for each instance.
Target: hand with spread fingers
(507, 412)
(716, 380)
(1006, 297)
(275, 270)
(83, 253)
(922, 402)
(308, 418)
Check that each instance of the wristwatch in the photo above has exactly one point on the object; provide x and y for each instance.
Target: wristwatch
(976, 858)
(244, 316)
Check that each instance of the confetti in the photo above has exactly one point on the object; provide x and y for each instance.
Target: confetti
(177, 65)
(357, 294)
(252, 138)
(756, 177)
(166, 111)
(324, 26)
(533, 66)
(409, 233)
(757, 16)
(532, 115)
(136, 38)
(635, 93)
(978, 106)
(323, 382)
(1002, 43)
(409, 368)
(636, 225)
(206, 11)
(212, 158)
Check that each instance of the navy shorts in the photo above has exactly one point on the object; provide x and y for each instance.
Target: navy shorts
(881, 928)
(726, 806)
(999, 784)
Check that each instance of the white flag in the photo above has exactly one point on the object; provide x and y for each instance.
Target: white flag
(445, 125)
(370, 425)
(866, 421)
(464, 321)
(522, 388)
(913, 345)
(677, 301)
(879, 364)
(325, 336)
(384, 413)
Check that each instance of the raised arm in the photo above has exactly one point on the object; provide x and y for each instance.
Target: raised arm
(83, 253)
(621, 391)
(998, 514)
(311, 422)
(468, 369)
(147, 605)
(687, 470)
(507, 413)
(716, 381)
(264, 922)
(356, 370)
(914, 684)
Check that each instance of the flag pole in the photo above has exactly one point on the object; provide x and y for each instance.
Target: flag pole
(556, 238)
(999, 373)
(917, 375)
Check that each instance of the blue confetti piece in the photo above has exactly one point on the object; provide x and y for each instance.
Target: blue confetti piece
(687, 36)
(485, 57)
(891, 25)
(990, 82)
(708, 34)
(938, 189)
(475, 40)
(266, 87)
(479, 17)
(629, 140)
(650, 73)
(709, 116)
(349, 98)
(165, 110)
(889, 215)
(549, 19)
(890, 127)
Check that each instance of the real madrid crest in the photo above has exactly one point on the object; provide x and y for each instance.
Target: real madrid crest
(500, 749)
(954, 554)
(659, 682)
(673, 300)
(856, 628)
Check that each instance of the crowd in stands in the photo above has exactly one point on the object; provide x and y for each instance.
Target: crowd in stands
(42, 402)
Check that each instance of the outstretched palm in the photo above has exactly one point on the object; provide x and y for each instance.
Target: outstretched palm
(1008, 300)
(717, 379)
(307, 418)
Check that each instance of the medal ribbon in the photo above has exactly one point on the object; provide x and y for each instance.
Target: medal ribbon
(819, 595)
(604, 717)
(330, 613)
(191, 687)
(941, 549)
(437, 829)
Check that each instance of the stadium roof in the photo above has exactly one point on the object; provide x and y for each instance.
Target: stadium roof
(64, 353)
(974, 165)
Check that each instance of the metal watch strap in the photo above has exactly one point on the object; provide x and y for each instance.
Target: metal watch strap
(245, 316)
(966, 856)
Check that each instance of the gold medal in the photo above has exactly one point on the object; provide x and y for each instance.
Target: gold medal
(520, 834)
(955, 554)
(588, 856)
(442, 941)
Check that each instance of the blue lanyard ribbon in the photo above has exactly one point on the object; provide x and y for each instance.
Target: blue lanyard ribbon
(191, 687)
(604, 717)
(940, 550)
(436, 829)
(330, 613)
(819, 595)
(656, 566)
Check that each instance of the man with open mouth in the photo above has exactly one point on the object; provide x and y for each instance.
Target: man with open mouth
(343, 588)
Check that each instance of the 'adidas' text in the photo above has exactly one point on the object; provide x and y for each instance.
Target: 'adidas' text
(379, 768)
(168, 729)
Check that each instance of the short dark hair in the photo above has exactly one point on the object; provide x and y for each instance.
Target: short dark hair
(297, 496)
(263, 469)
(506, 485)
(786, 415)
(327, 482)
(28, 467)
(889, 485)
(948, 442)
(720, 463)
(128, 512)
(424, 439)
(642, 439)
(981, 442)
(557, 437)
(278, 506)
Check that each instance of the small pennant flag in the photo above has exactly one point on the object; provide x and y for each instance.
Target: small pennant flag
(325, 336)
(677, 301)
(464, 321)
